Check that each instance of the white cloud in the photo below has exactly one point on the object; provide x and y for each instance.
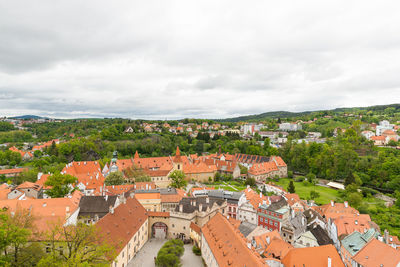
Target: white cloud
(214, 59)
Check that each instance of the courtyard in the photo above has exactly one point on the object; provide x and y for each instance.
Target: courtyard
(146, 255)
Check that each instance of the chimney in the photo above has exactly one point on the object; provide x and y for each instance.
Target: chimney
(346, 204)
(332, 203)
(329, 262)
(200, 207)
(39, 175)
(180, 208)
(268, 239)
(111, 209)
(386, 236)
(106, 197)
(260, 195)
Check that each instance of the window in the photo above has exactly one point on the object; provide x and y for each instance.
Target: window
(184, 227)
(173, 225)
(123, 254)
(261, 219)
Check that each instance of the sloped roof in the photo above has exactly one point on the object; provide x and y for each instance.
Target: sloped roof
(115, 225)
(321, 235)
(354, 242)
(377, 253)
(96, 204)
(227, 244)
(191, 204)
(13, 171)
(313, 256)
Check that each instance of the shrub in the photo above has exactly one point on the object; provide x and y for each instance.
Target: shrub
(290, 174)
(299, 178)
(196, 250)
(170, 253)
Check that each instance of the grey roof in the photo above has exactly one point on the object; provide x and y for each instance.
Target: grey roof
(191, 204)
(321, 235)
(231, 197)
(277, 205)
(311, 215)
(246, 228)
(162, 191)
(96, 204)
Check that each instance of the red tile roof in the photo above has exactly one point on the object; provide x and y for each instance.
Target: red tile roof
(88, 173)
(228, 245)
(13, 171)
(195, 228)
(377, 253)
(122, 225)
(313, 256)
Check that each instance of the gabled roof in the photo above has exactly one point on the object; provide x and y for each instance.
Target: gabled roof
(88, 173)
(377, 253)
(227, 244)
(13, 171)
(277, 248)
(321, 235)
(120, 226)
(96, 204)
(354, 242)
(29, 185)
(313, 256)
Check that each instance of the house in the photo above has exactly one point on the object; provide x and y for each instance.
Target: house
(126, 228)
(195, 234)
(12, 172)
(274, 215)
(31, 190)
(383, 126)
(286, 126)
(379, 140)
(293, 227)
(89, 174)
(322, 256)
(222, 245)
(306, 239)
(232, 199)
(368, 134)
(93, 208)
(25, 155)
(47, 212)
(376, 253)
(353, 243)
(129, 130)
(390, 135)
(198, 210)
(248, 205)
(46, 145)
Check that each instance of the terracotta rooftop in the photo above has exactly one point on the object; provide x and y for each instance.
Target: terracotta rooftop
(313, 256)
(227, 244)
(115, 227)
(13, 171)
(377, 253)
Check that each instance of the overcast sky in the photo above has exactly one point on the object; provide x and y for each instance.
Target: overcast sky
(203, 59)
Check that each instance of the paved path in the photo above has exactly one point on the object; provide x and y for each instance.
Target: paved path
(146, 255)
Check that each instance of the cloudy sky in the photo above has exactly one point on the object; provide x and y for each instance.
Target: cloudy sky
(204, 59)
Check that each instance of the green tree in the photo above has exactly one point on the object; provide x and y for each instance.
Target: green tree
(355, 199)
(178, 179)
(170, 253)
(82, 245)
(136, 174)
(115, 178)
(314, 194)
(250, 181)
(291, 188)
(61, 184)
(15, 231)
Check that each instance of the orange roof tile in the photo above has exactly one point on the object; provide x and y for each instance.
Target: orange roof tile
(277, 248)
(115, 227)
(195, 227)
(13, 171)
(158, 213)
(263, 168)
(377, 253)
(88, 173)
(171, 198)
(228, 245)
(118, 189)
(313, 256)
(148, 196)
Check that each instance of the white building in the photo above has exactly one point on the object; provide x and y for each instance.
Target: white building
(287, 126)
(251, 128)
(383, 126)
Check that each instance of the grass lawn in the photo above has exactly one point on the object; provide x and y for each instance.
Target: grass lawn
(326, 194)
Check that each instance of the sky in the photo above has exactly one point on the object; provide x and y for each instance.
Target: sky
(198, 59)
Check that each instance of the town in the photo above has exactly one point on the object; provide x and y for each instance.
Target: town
(200, 192)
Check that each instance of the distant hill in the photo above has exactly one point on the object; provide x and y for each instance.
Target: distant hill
(287, 114)
(28, 117)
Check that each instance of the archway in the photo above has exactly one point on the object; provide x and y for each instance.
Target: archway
(159, 230)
